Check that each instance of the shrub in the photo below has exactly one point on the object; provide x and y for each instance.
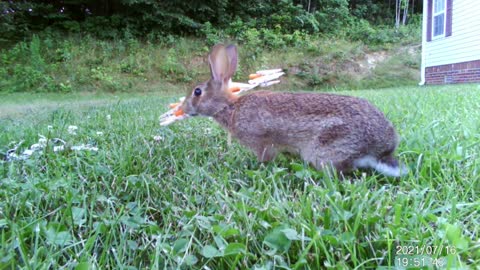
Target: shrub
(333, 16)
(362, 30)
(212, 35)
(24, 68)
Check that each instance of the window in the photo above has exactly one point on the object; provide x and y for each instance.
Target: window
(439, 19)
(438, 23)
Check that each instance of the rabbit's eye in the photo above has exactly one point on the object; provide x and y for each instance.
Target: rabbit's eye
(197, 92)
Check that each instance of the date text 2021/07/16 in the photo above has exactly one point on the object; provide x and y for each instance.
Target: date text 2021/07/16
(422, 256)
(424, 250)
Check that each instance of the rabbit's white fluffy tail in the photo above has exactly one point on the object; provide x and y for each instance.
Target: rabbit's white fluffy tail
(387, 168)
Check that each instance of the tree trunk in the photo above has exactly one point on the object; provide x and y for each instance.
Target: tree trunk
(405, 12)
(397, 13)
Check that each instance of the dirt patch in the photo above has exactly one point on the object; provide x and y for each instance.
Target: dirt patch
(371, 60)
(359, 66)
(196, 63)
(334, 71)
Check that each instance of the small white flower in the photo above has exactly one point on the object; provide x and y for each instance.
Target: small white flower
(36, 146)
(58, 148)
(50, 127)
(99, 133)
(84, 147)
(42, 141)
(109, 117)
(72, 130)
(157, 138)
(28, 152)
(58, 140)
(12, 156)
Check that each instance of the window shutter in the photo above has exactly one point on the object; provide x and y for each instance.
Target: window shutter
(429, 19)
(448, 26)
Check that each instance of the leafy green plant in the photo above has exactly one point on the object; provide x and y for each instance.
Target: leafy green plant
(26, 69)
(211, 34)
(384, 35)
(172, 68)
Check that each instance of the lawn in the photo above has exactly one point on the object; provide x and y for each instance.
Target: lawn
(155, 197)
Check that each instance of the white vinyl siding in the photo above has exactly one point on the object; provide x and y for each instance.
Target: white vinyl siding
(464, 43)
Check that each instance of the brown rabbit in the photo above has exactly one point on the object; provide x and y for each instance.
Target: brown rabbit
(324, 129)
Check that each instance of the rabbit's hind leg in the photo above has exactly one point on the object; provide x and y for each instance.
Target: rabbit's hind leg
(341, 165)
(328, 157)
(265, 152)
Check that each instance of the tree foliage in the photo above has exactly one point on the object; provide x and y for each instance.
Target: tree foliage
(111, 18)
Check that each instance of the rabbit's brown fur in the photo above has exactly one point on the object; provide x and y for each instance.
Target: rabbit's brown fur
(324, 129)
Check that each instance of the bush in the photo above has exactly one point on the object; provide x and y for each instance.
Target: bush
(333, 16)
(212, 35)
(280, 23)
(24, 68)
(362, 30)
(141, 17)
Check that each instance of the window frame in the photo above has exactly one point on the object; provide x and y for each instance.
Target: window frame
(434, 14)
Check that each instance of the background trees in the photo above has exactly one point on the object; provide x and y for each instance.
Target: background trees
(139, 17)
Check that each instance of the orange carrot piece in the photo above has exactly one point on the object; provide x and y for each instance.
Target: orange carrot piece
(178, 112)
(254, 76)
(234, 89)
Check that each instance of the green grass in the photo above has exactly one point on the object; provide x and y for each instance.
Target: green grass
(191, 201)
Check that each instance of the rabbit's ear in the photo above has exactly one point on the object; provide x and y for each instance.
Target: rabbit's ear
(233, 60)
(219, 63)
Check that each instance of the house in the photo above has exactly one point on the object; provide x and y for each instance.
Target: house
(450, 41)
